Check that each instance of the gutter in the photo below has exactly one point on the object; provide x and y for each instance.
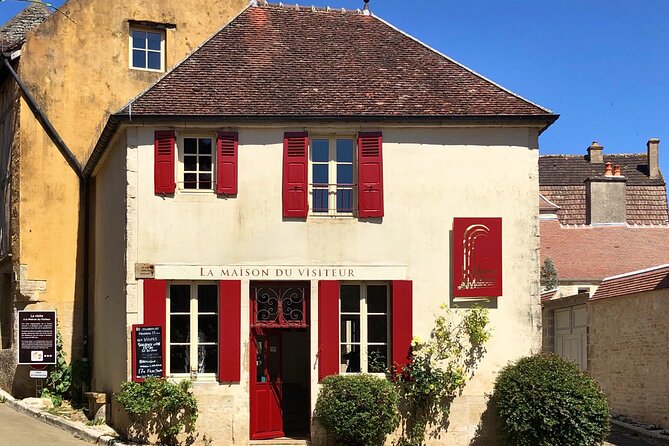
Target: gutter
(83, 186)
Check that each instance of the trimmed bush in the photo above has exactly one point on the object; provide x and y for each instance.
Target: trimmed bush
(358, 410)
(545, 400)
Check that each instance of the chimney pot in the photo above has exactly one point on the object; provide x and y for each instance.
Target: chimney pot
(596, 153)
(608, 169)
(653, 146)
(616, 171)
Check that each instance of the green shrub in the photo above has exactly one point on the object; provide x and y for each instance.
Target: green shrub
(358, 410)
(545, 400)
(160, 406)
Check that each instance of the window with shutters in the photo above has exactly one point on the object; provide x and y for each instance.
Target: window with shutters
(192, 329)
(196, 163)
(332, 175)
(365, 329)
(147, 49)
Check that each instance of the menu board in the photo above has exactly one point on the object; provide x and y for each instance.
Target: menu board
(37, 337)
(147, 351)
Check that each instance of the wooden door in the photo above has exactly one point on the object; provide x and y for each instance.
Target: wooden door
(266, 384)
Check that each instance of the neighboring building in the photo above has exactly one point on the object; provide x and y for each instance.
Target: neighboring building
(282, 205)
(596, 223)
(629, 333)
(77, 67)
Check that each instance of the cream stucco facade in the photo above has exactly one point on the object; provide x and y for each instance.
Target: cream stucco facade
(432, 173)
(76, 66)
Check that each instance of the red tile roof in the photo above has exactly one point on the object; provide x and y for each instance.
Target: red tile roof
(14, 32)
(635, 282)
(284, 61)
(596, 252)
(569, 170)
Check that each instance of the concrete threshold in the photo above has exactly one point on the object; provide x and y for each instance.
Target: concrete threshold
(282, 441)
(654, 436)
(91, 434)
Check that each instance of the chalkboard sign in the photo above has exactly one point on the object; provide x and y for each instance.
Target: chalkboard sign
(147, 352)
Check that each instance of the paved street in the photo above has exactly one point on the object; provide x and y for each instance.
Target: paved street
(621, 438)
(17, 428)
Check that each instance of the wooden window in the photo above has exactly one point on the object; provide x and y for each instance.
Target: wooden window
(332, 187)
(147, 49)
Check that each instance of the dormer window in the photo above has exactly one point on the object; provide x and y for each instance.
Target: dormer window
(147, 49)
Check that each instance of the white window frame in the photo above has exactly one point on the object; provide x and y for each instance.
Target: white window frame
(159, 31)
(364, 344)
(332, 175)
(181, 171)
(193, 342)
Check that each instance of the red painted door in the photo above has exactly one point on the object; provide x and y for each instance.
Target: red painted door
(266, 384)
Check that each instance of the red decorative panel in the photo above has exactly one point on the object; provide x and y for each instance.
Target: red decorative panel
(477, 257)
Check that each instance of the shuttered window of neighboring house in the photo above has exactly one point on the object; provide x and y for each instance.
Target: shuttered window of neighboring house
(370, 175)
(164, 182)
(226, 163)
(295, 174)
(155, 307)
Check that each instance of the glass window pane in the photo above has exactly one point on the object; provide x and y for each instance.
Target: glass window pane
(274, 360)
(320, 174)
(179, 359)
(345, 150)
(350, 359)
(180, 328)
(153, 61)
(179, 298)
(190, 163)
(205, 146)
(377, 359)
(350, 298)
(261, 363)
(320, 198)
(344, 174)
(205, 181)
(377, 298)
(207, 328)
(139, 59)
(207, 359)
(320, 150)
(153, 41)
(350, 328)
(344, 200)
(139, 39)
(207, 299)
(377, 328)
(190, 181)
(205, 163)
(190, 145)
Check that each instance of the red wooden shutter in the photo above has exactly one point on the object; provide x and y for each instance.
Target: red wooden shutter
(295, 168)
(164, 162)
(229, 327)
(226, 163)
(328, 328)
(155, 307)
(370, 175)
(402, 324)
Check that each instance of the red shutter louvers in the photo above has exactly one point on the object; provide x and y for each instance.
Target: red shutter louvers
(164, 162)
(295, 168)
(370, 175)
(226, 163)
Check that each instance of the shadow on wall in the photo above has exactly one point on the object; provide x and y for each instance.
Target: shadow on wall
(487, 432)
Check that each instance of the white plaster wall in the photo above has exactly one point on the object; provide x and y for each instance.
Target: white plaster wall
(430, 176)
(109, 309)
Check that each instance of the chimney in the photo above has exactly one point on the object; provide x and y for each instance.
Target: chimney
(596, 153)
(653, 146)
(605, 197)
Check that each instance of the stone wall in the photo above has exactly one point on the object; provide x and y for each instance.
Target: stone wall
(628, 343)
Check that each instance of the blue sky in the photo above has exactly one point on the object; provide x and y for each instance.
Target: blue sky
(603, 65)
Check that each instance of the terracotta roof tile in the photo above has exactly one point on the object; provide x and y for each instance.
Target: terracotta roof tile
(283, 61)
(635, 282)
(572, 170)
(596, 252)
(14, 32)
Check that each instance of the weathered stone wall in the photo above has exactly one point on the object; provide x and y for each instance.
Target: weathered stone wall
(629, 339)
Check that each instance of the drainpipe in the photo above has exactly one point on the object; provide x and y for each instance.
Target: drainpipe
(83, 185)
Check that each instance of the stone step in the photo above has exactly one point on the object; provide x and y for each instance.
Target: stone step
(280, 442)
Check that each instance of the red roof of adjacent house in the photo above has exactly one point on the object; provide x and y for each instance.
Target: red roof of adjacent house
(650, 279)
(596, 252)
(312, 62)
(14, 32)
(562, 181)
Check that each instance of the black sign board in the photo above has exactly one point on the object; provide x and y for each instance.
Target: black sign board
(37, 337)
(147, 352)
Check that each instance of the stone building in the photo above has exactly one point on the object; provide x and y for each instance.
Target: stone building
(290, 202)
(75, 67)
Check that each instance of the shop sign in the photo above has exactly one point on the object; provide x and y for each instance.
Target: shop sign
(477, 257)
(37, 337)
(147, 352)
